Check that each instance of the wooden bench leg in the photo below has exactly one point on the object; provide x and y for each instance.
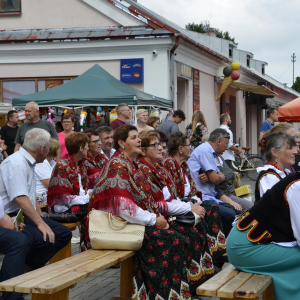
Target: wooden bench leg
(127, 267)
(268, 294)
(61, 295)
(62, 254)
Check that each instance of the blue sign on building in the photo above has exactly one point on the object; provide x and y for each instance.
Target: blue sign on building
(132, 70)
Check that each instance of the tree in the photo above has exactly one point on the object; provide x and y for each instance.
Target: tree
(296, 85)
(204, 27)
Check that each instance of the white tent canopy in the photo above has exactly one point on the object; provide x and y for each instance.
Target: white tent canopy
(5, 108)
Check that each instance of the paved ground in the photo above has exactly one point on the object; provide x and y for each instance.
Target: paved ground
(106, 284)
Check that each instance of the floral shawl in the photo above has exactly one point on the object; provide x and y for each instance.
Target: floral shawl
(121, 187)
(172, 165)
(94, 167)
(157, 178)
(64, 183)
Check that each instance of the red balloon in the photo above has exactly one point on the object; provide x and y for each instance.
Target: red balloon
(235, 75)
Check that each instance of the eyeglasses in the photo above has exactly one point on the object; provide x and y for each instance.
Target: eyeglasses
(187, 145)
(155, 145)
(95, 142)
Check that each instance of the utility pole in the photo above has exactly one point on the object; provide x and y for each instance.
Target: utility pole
(293, 60)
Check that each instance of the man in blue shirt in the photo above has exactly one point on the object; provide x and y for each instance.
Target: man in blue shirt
(172, 124)
(272, 117)
(204, 159)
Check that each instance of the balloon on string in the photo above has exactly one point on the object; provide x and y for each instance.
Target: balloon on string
(227, 71)
(235, 75)
(235, 66)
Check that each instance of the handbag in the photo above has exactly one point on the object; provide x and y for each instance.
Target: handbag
(67, 216)
(189, 200)
(64, 217)
(189, 219)
(107, 232)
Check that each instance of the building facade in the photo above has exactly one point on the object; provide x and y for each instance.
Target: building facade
(43, 45)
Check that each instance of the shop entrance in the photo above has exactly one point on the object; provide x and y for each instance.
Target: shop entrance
(182, 98)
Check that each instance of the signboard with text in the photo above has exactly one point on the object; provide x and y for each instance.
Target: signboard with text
(196, 90)
(132, 70)
(186, 71)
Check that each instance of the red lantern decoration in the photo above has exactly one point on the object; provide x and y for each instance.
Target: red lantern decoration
(235, 75)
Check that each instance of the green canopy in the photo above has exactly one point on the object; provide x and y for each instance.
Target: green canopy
(92, 88)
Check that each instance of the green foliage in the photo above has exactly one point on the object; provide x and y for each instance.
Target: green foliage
(296, 85)
(201, 28)
(204, 27)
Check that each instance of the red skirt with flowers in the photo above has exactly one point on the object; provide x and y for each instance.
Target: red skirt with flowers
(206, 244)
(160, 266)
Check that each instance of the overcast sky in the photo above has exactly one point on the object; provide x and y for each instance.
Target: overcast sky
(268, 29)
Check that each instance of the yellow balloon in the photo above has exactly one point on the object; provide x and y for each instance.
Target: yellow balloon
(235, 66)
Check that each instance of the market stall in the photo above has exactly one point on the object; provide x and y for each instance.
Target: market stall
(95, 92)
(93, 88)
(290, 112)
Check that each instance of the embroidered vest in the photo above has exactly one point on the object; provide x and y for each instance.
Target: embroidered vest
(260, 176)
(269, 218)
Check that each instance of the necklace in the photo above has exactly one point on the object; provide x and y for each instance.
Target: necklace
(275, 166)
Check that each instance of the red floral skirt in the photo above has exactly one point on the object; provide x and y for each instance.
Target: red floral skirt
(160, 266)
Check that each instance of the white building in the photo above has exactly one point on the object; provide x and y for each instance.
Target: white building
(43, 44)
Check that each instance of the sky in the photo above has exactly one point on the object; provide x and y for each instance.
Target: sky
(268, 29)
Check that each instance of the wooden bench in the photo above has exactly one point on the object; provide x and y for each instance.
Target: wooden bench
(233, 284)
(53, 281)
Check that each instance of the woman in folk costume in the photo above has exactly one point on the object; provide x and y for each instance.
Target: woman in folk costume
(279, 151)
(160, 265)
(94, 160)
(175, 163)
(200, 250)
(68, 188)
(266, 240)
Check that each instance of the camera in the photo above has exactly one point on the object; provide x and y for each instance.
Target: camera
(155, 52)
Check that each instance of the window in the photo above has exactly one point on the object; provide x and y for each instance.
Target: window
(263, 69)
(248, 61)
(230, 50)
(10, 6)
(10, 88)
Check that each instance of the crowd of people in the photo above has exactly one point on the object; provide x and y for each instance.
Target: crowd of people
(149, 176)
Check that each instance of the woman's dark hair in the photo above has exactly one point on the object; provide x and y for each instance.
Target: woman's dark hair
(121, 133)
(74, 141)
(59, 126)
(89, 133)
(151, 121)
(163, 136)
(277, 140)
(176, 139)
(68, 116)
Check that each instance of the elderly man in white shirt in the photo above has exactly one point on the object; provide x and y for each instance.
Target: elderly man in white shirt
(18, 191)
(228, 155)
(14, 245)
